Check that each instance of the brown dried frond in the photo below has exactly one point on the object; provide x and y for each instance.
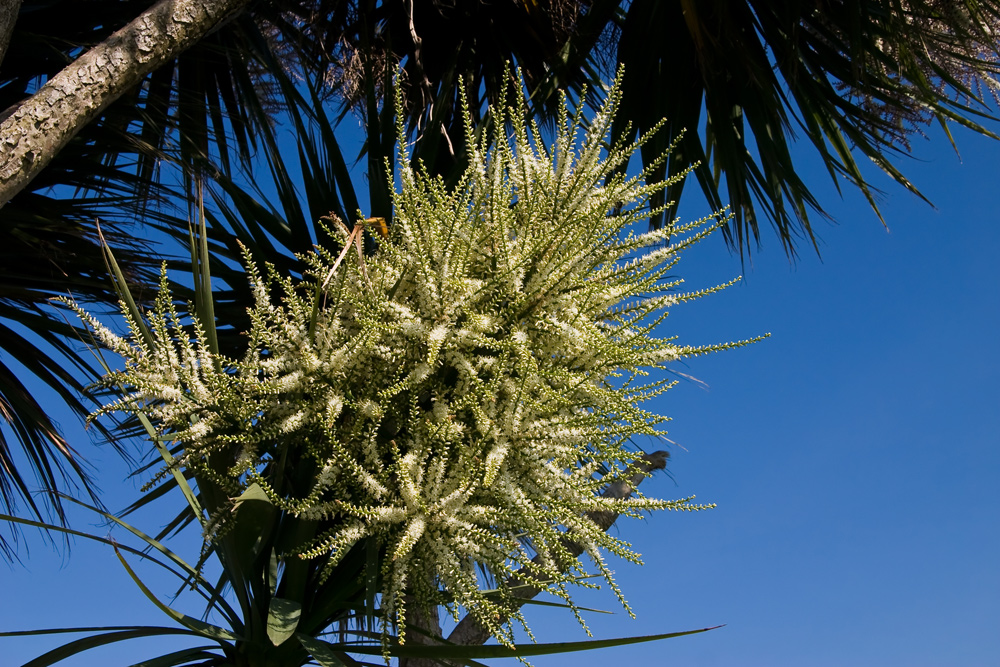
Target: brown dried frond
(349, 68)
(954, 51)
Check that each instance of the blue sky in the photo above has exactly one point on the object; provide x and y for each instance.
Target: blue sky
(853, 455)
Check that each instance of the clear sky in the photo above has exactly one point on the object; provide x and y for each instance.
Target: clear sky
(853, 455)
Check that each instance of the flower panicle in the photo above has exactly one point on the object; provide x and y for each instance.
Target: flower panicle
(465, 397)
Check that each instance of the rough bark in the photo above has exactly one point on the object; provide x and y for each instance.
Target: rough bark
(470, 633)
(41, 126)
(427, 620)
(8, 17)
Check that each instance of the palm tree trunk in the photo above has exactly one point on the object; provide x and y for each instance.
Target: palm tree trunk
(427, 620)
(44, 123)
(8, 16)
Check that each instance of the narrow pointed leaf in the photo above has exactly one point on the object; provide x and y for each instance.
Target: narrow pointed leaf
(178, 657)
(200, 627)
(59, 654)
(193, 579)
(447, 652)
(121, 287)
(253, 492)
(282, 619)
(320, 651)
(204, 301)
(89, 628)
(95, 538)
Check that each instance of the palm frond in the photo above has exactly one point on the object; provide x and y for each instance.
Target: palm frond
(853, 77)
(48, 248)
(207, 103)
(856, 77)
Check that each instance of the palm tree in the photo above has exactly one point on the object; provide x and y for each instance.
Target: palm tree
(855, 77)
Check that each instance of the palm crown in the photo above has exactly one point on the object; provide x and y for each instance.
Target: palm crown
(456, 409)
(854, 77)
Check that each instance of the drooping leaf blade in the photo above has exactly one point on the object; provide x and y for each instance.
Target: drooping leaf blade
(178, 657)
(446, 652)
(195, 625)
(322, 652)
(74, 647)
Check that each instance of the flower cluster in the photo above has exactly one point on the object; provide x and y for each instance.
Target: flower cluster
(464, 394)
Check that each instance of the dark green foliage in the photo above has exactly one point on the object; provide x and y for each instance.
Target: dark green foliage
(853, 77)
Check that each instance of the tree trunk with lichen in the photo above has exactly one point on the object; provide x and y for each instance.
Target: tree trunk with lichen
(44, 123)
(8, 17)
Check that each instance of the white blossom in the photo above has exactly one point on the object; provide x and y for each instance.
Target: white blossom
(458, 403)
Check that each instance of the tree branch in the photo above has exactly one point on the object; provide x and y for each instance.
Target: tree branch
(40, 127)
(8, 17)
(470, 632)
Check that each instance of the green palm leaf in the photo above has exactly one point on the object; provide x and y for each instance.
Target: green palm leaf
(462, 653)
(853, 77)
(856, 77)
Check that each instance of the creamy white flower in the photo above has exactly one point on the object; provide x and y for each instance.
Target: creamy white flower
(459, 392)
